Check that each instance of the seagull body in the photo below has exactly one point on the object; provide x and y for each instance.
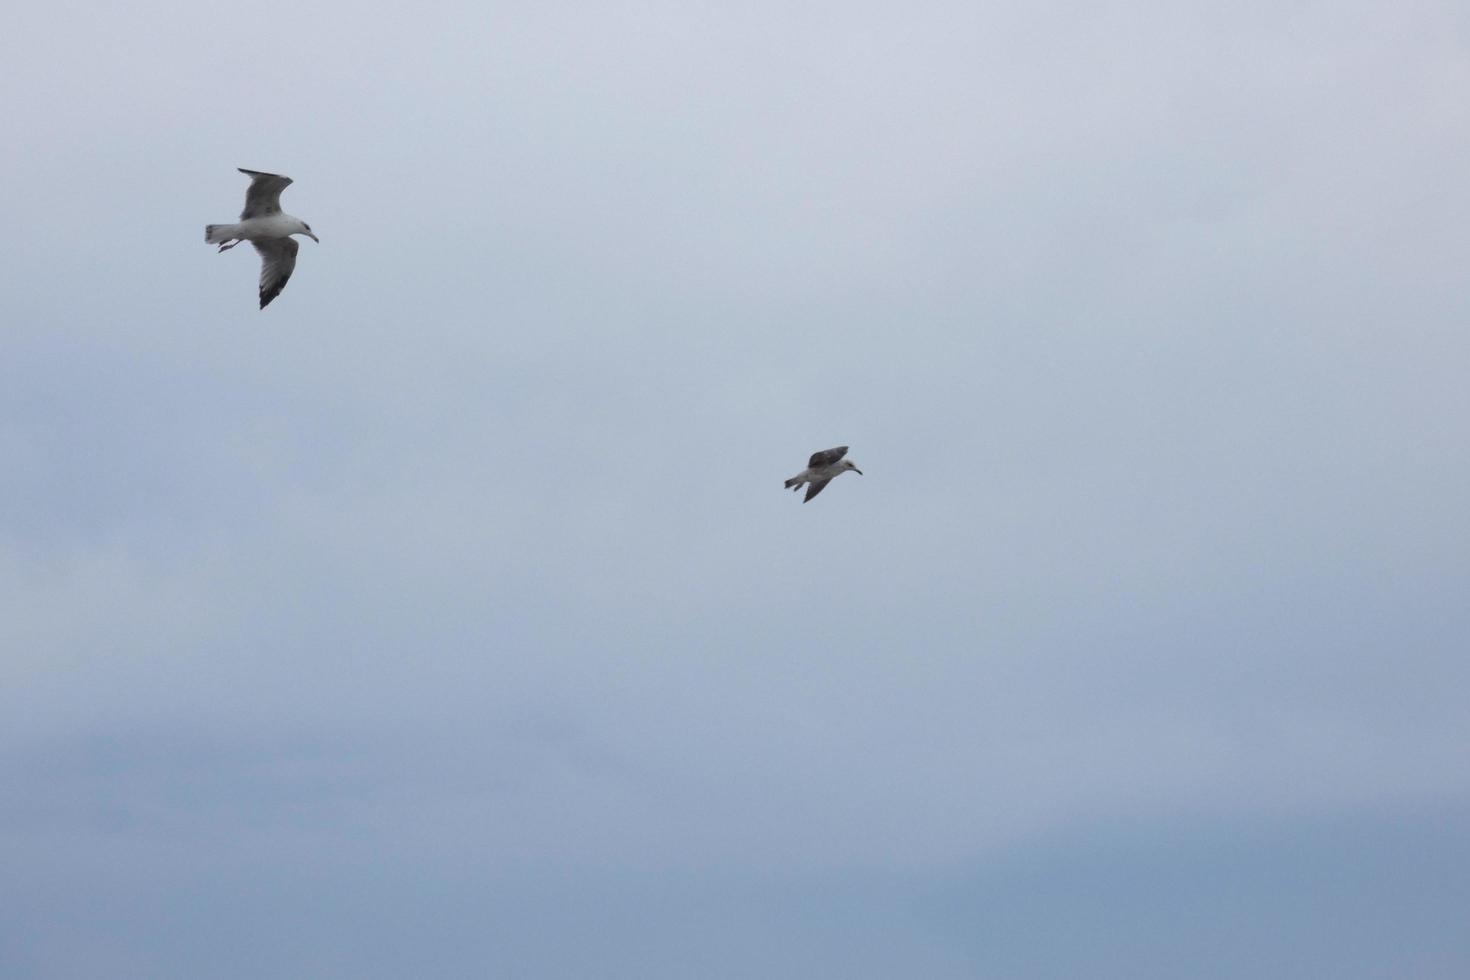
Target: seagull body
(822, 469)
(265, 226)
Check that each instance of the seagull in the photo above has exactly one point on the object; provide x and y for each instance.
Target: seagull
(264, 225)
(822, 469)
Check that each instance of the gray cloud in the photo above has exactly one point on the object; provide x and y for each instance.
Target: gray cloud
(461, 577)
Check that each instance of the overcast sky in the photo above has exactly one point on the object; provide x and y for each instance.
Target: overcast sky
(447, 617)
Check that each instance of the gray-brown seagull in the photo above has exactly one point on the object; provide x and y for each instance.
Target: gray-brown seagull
(263, 225)
(822, 469)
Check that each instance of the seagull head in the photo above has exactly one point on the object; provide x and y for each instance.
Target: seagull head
(848, 464)
(306, 230)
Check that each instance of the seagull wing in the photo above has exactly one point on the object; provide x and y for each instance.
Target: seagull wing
(277, 261)
(814, 488)
(263, 197)
(826, 458)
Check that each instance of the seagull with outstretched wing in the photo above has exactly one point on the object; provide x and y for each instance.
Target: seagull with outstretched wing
(265, 226)
(821, 470)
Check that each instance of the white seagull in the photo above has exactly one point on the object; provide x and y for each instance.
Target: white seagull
(821, 470)
(263, 225)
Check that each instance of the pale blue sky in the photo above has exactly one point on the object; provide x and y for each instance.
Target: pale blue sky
(447, 618)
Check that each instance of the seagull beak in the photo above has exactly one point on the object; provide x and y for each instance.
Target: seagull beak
(314, 238)
(857, 471)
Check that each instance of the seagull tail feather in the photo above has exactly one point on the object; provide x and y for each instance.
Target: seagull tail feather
(792, 482)
(215, 234)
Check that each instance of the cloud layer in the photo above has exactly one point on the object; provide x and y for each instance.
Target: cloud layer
(452, 601)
